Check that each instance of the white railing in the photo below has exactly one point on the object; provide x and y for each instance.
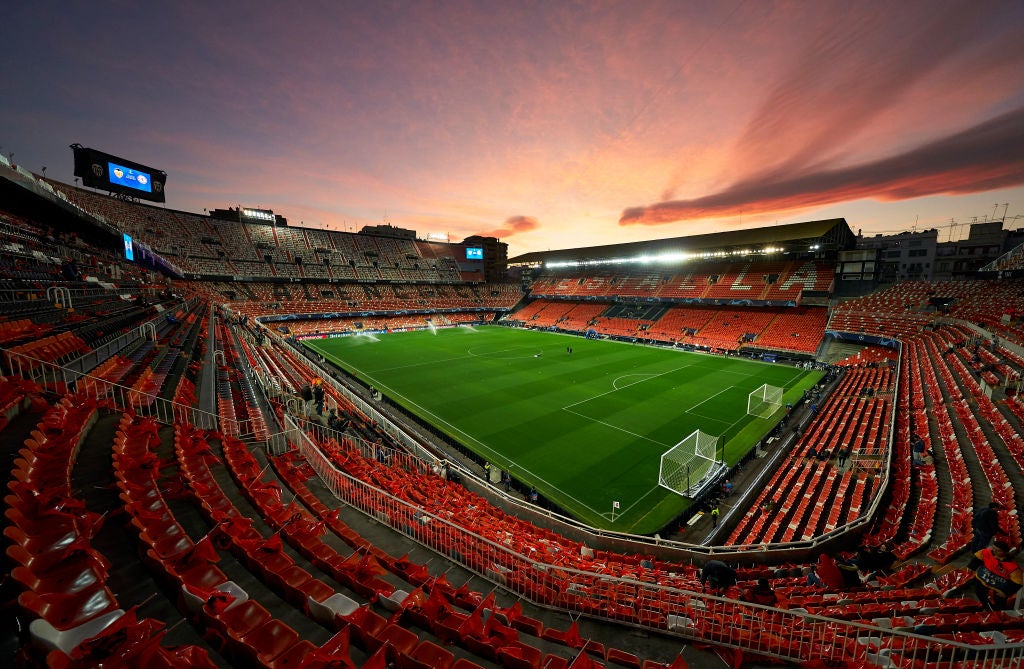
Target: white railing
(61, 380)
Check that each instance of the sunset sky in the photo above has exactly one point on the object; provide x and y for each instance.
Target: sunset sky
(548, 124)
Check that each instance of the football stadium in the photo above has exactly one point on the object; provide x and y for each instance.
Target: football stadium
(237, 442)
(468, 335)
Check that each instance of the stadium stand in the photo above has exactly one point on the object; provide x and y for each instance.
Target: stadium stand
(161, 421)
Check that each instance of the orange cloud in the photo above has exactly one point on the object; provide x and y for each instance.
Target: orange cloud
(513, 226)
(987, 156)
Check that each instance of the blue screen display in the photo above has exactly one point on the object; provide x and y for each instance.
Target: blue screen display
(129, 253)
(474, 253)
(129, 178)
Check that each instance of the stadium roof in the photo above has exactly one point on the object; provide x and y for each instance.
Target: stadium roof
(831, 234)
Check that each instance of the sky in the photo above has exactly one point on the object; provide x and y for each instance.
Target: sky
(552, 124)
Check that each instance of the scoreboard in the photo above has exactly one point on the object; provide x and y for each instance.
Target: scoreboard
(104, 171)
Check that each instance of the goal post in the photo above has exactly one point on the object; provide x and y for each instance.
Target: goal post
(764, 401)
(690, 466)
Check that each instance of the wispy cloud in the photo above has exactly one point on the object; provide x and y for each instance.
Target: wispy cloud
(985, 157)
(513, 226)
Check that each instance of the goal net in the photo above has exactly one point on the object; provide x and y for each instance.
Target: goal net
(764, 401)
(690, 466)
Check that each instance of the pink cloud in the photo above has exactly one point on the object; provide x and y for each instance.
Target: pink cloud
(985, 157)
(513, 226)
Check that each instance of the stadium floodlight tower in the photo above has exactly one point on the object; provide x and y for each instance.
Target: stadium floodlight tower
(690, 467)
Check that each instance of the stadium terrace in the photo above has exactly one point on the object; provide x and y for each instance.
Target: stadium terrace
(232, 441)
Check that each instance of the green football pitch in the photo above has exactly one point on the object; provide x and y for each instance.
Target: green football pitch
(588, 428)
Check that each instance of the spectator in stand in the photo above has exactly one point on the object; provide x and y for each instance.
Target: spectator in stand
(718, 575)
(813, 580)
(997, 576)
(917, 448)
(307, 400)
(761, 593)
(70, 270)
(318, 396)
(837, 574)
(986, 524)
(874, 558)
(333, 421)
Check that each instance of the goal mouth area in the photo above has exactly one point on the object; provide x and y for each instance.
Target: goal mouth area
(691, 467)
(765, 401)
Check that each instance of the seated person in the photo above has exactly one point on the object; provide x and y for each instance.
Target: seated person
(761, 593)
(874, 558)
(997, 577)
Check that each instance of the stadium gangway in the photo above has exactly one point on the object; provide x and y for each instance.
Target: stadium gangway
(793, 635)
(59, 380)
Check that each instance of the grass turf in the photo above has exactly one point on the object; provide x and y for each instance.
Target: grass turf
(586, 428)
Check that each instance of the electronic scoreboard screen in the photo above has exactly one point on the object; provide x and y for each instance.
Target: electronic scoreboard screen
(129, 249)
(119, 175)
(104, 171)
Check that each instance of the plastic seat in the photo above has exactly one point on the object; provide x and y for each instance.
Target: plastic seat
(427, 655)
(65, 611)
(290, 583)
(325, 612)
(70, 581)
(267, 562)
(483, 648)
(40, 544)
(400, 639)
(167, 547)
(448, 627)
(372, 587)
(267, 641)
(463, 663)
(293, 657)
(238, 620)
(520, 656)
(557, 662)
(393, 601)
(194, 601)
(203, 576)
(529, 625)
(46, 636)
(622, 658)
(365, 625)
